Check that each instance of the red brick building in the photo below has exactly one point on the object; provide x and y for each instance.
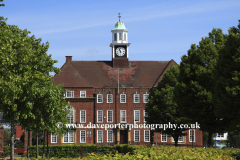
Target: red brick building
(113, 92)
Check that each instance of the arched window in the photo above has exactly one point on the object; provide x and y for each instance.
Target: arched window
(115, 36)
(70, 116)
(120, 36)
(125, 36)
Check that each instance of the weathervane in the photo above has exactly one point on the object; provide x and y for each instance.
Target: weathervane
(119, 16)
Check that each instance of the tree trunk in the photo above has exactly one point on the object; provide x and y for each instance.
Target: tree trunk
(12, 139)
(176, 141)
(28, 147)
(43, 143)
(37, 144)
(210, 139)
(47, 146)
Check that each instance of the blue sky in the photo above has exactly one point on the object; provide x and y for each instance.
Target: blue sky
(158, 30)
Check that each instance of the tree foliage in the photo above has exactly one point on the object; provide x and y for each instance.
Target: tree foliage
(162, 107)
(27, 92)
(196, 83)
(227, 78)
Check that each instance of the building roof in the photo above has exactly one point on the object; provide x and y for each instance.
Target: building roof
(102, 74)
(119, 25)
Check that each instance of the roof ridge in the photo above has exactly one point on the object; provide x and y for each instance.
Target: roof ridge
(163, 72)
(82, 75)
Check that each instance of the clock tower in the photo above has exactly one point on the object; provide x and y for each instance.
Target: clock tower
(120, 45)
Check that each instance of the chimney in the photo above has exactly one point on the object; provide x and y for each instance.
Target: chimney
(68, 58)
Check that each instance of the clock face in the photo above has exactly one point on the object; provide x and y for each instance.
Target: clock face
(120, 51)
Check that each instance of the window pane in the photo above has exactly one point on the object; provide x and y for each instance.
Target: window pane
(123, 116)
(109, 116)
(82, 94)
(115, 36)
(137, 119)
(70, 116)
(109, 136)
(123, 98)
(137, 136)
(83, 136)
(146, 96)
(136, 98)
(71, 136)
(99, 116)
(99, 98)
(83, 114)
(109, 98)
(120, 36)
(164, 137)
(99, 136)
(147, 135)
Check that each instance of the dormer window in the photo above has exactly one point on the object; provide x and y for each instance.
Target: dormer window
(120, 36)
(115, 36)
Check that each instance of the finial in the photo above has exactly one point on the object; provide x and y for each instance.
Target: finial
(119, 16)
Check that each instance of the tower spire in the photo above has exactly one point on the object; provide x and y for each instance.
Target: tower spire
(119, 16)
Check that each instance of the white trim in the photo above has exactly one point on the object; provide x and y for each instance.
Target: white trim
(102, 116)
(135, 116)
(81, 136)
(162, 137)
(135, 135)
(145, 135)
(99, 98)
(101, 137)
(52, 137)
(134, 96)
(111, 98)
(190, 139)
(72, 94)
(112, 115)
(121, 116)
(68, 136)
(121, 98)
(144, 98)
(83, 93)
(107, 136)
(81, 116)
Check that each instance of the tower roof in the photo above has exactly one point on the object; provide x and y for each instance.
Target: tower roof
(119, 25)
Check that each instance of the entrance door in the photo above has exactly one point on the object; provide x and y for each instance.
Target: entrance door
(123, 136)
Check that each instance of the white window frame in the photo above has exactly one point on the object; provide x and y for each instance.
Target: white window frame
(97, 116)
(135, 116)
(145, 135)
(107, 115)
(144, 99)
(121, 116)
(83, 92)
(135, 135)
(52, 139)
(81, 116)
(190, 135)
(69, 116)
(72, 94)
(81, 136)
(134, 98)
(110, 98)
(99, 98)
(162, 137)
(145, 115)
(121, 98)
(178, 139)
(101, 136)
(68, 137)
(111, 135)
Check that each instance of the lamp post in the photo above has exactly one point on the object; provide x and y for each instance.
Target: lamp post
(108, 114)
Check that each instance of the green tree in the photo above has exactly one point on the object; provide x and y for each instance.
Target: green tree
(27, 92)
(227, 78)
(196, 83)
(1, 5)
(162, 107)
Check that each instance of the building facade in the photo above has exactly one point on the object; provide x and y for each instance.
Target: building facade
(113, 93)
